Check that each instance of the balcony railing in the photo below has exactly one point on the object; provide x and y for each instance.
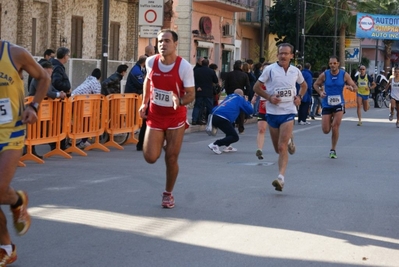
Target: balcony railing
(253, 18)
(229, 5)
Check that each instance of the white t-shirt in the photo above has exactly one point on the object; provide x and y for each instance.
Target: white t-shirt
(394, 89)
(185, 70)
(279, 82)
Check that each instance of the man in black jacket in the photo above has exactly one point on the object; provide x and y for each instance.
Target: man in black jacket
(134, 84)
(237, 79)
(112, 85)
(205, 78)
(60, 80)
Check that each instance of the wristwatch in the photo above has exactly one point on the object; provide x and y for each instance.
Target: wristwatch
(34, 105)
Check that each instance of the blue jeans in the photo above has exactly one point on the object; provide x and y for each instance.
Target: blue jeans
(316, 103)
(200, 103)
(226, 127)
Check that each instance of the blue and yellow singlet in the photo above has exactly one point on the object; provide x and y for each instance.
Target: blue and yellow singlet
(12, 130)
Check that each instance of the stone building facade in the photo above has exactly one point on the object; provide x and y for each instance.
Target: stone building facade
(41, 24)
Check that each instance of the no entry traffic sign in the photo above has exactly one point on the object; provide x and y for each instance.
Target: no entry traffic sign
(151, 12)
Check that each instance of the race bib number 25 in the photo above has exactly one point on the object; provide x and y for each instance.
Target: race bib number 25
(162, 98)
(5, 111)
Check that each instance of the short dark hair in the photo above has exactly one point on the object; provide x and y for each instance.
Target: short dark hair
(307, 66)
(96, 73)
(142, 59)
(213, 66)
(48, 52)
(46, 64)
(175, 37)
(250, 61)
(62, 52)
(205, 62)
(334, 56)
(122, 68)
(237, 65)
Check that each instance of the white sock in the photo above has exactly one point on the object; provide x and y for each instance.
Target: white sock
(281, 177)
(7, 248)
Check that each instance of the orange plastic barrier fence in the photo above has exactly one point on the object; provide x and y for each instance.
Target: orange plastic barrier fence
(86, 119)
(123, 117)
(350, 99)
(50, 127)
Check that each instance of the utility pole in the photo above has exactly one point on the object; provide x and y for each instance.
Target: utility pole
(262, 31)
(298, 29)
(104, 54)
(335, 28)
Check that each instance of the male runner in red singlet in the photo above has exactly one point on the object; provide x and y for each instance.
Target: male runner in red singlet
(169, 86)
(13, 116)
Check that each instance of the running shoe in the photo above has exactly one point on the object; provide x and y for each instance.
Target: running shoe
(5, 259)
(215, 148)
(390, 116)
(229, 149)
(168, 201)
(278, 184)
(21, 215)
(359, 123)
(291, 146)
(333, 154)
(259, 154)
(397, 124)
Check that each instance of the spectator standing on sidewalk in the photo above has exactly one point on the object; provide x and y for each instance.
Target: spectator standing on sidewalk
(134, 84)
(13, 117)
(205, 79)
(237, 79)
(168, 87)
(60, 81)
(223, 117)
(307, 97)
(47, 56)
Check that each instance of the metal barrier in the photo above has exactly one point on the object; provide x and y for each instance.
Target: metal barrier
(123, 117)
(86, 118)
(50, 127)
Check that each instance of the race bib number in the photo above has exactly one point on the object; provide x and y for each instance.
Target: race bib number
(5, 111)
(162, 98)
(334, 100)
(363, 84)
(285, 94)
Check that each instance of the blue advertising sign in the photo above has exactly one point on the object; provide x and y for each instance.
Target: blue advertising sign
(374, 26)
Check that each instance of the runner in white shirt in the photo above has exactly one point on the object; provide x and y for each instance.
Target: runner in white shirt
(280, 79)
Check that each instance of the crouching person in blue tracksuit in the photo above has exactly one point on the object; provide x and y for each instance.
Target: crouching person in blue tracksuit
(224, 116)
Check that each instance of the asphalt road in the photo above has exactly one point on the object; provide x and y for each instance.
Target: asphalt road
(105, 209)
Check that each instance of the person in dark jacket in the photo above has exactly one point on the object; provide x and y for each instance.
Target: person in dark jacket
(306, 98)
(134, 84)
(112, 85)
(237, 79)
(48, 54)
(224, 115)
(205, 78)
(60, 80)
(135, 79)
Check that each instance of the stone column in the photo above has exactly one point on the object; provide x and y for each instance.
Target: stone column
(24, 25)
(183, 23)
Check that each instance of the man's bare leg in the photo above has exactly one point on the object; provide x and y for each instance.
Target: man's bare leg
(174, 140)
(8, 164)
